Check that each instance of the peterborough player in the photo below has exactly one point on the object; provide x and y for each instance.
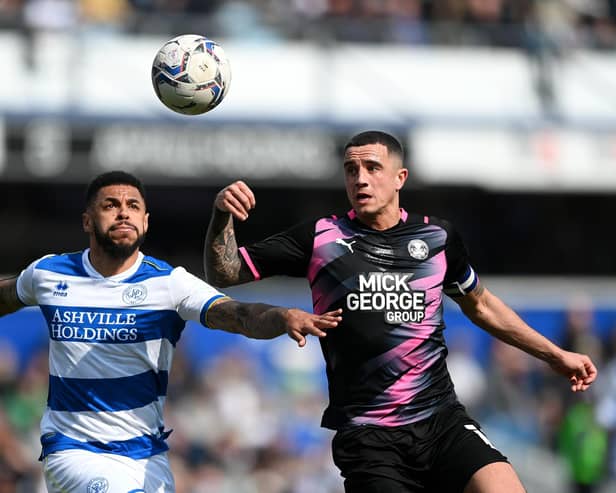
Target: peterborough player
(400, 427)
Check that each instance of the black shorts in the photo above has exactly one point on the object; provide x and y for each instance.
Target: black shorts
(436, 455)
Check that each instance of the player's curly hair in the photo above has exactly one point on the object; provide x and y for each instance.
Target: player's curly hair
(112, 178)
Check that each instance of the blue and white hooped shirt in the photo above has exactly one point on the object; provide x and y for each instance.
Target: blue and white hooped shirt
(111, 347)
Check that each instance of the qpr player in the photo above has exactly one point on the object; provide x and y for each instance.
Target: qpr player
(115, 316)
(399, 424)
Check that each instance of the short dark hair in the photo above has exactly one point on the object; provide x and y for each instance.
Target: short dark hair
(112, 178)
(377, 137)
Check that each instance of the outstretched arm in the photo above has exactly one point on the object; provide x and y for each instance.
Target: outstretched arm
(221, 259)
(261, 321)
(491, 314)
(9, 301)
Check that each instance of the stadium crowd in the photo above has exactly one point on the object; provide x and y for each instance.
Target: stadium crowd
(246, 415)
(526, 24)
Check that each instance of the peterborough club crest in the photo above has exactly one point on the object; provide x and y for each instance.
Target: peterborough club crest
(418, 249)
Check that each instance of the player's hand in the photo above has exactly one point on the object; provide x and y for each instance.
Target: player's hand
(237, 199)
(301, 323)
(578, 368)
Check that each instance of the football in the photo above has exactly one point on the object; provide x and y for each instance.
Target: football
(191, 74)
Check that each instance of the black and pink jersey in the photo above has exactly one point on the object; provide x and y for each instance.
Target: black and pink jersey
(386, 361)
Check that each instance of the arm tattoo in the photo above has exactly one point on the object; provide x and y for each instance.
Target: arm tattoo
(221, 258)
(9, 301)
(254, 320)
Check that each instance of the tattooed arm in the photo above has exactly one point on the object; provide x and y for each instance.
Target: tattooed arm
(9, 301)
(261, 321)
(221, 259)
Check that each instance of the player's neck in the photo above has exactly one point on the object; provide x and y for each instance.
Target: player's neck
(108, 266)
(381, 220)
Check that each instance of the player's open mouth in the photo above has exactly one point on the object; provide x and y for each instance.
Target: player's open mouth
(362, 197)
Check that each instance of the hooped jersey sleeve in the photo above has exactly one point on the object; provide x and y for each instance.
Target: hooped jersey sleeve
(26, 291)
(287, 253)
(194, 297)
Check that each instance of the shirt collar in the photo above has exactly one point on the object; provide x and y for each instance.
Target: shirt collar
(92, 272)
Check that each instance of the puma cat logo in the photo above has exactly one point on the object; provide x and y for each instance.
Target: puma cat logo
(340, 241)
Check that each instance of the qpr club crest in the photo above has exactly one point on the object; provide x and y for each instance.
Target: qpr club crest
(418, 249)
(98, 485)
(133, 295)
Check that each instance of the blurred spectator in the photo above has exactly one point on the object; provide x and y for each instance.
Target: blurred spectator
(51, 15)
(310, 9)
(25, 400)
(468, 375)
(579, 332)
(511, 397)
(594, 23)
(42, 17)
(583, 444)
(245, 21)
(10, 13)
(297, 371)
(606, 400)
(492, 23)
(107, 15)
(479, 22)
(16, 467)
(406, 23)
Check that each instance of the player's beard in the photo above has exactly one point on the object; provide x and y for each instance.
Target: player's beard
(119, 252)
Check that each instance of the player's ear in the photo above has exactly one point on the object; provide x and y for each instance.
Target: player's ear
(86, 222)
(146, 222)
(401, 177)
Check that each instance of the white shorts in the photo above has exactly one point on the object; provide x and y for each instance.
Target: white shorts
(80, 471)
